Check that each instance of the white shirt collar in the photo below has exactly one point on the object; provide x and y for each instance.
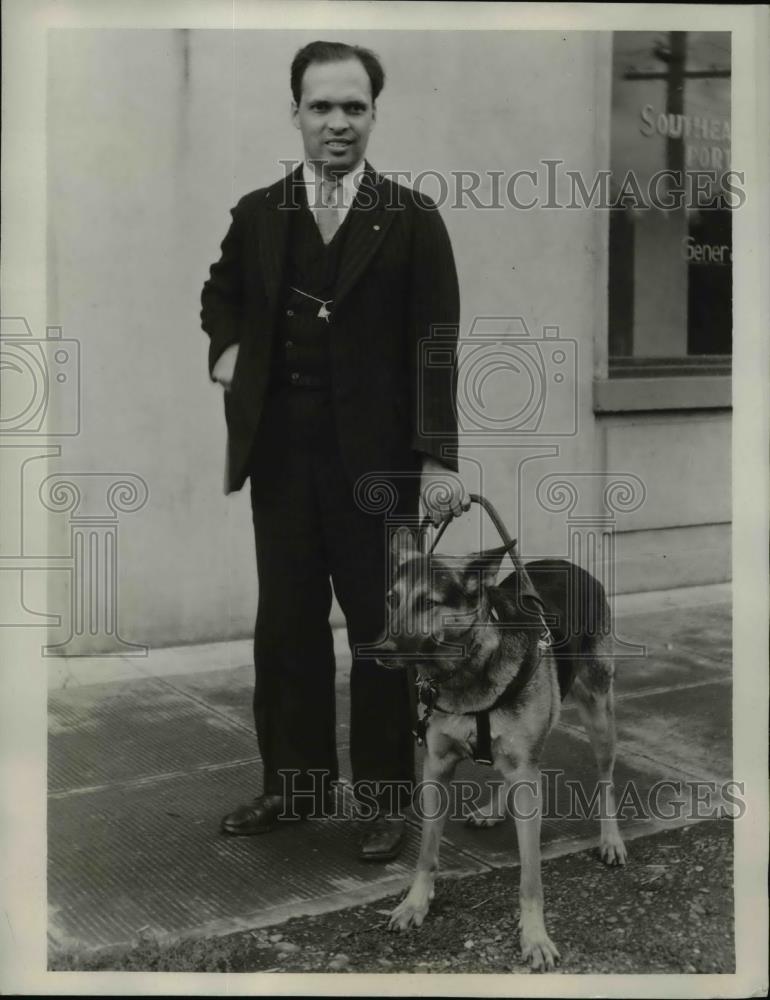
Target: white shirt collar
(350, 183)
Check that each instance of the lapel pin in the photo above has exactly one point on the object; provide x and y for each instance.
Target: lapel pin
(376, 228)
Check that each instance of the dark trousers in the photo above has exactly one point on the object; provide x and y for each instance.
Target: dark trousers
(311, 534)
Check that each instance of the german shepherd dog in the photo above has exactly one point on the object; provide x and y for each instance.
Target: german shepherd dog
(486, 648)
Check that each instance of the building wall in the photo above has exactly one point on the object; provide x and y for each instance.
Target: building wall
(680, 535)
(154, 135)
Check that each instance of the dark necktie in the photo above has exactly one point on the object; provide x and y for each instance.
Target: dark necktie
(327, 212)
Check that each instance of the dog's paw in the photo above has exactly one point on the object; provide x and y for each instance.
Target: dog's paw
(613, 852)
(408, 913)
(539, 950)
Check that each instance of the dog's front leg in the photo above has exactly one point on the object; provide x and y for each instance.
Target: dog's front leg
(434, 805)
(524, 798)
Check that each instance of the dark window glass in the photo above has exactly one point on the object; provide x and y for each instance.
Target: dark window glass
(670, 240)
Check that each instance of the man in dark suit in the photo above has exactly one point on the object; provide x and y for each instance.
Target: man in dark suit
(327, 284)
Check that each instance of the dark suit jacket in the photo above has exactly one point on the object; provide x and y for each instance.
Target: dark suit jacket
(396, 289)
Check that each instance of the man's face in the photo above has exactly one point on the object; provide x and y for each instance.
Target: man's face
(335, 114)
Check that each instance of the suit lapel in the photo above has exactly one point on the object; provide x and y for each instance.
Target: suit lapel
(368, 223)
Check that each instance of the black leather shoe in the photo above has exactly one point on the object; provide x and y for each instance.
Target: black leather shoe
(262, 815)
(383, 839)
(259, 816)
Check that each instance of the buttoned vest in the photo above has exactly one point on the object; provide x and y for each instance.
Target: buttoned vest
(300, 356)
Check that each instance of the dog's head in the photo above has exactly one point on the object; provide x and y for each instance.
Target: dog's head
(434, 603)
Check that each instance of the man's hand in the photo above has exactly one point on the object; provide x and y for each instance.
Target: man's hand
(225, 366)
(443, 492)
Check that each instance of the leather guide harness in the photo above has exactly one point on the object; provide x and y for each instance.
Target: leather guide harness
(428, 691)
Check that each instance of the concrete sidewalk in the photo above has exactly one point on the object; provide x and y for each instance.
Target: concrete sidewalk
(146, 754)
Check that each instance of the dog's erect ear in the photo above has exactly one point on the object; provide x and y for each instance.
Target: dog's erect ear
(517, 600)
(403, 546)
(482, 568)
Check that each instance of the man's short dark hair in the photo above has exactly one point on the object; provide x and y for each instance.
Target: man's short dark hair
(326, 52)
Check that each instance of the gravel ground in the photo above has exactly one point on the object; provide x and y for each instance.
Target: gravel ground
(669, 910)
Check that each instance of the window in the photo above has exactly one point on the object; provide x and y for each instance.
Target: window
(670, 240)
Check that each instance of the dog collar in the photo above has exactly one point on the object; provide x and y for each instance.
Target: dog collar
(428, 694)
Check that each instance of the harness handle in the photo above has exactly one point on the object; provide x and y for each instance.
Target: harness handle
(428, 690)
(509, 542)
(493, 516)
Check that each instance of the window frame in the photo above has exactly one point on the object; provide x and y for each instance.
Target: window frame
(639, 384)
